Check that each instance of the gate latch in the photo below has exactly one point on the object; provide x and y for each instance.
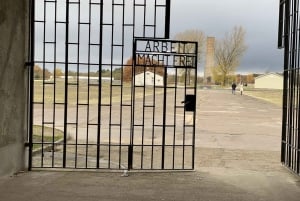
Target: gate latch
(189, 103)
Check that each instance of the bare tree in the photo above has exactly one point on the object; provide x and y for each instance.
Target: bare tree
(195, 36)
(228, 53)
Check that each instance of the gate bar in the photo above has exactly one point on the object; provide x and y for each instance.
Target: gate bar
(31, 81)
(66, 83)
(168, 16)
(100, 84)
(285, 72)
(195, 112)
(164, 118)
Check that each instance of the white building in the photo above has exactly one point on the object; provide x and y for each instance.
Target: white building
(147, 78)
(269, 81)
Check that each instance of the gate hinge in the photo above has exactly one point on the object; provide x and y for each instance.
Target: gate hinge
(27, 144)
(28, 64)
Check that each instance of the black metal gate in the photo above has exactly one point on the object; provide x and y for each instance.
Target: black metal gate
(163, 124)
(288, 38)
(105, 92)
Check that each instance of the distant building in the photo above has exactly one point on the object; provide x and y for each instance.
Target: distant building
(210, 59)
(269, 81)
(148, 78)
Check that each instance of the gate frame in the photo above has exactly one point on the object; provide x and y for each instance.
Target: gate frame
(188, 106)
(32, 61)
(288, 30)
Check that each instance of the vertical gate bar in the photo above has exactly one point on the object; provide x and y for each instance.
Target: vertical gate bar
(175, 112)
(121, 85)
(298, 88)
(43, 83)
(100, 84)
(281, 25)
(54, 85)
(294, 88)
(155, 13)
(130, 157)
(77, 87)
(132, 126)
(296, 97)
(297, 140)
(297, 158)
(66, 83)
(294, 82)
(144, 103)
(183, 123)
(153, 118)
(295, 113)
(291, 89)
(164, 118)
(195, 111)
(186, 82)
(184, 112)
(111, 88)
(144, 23)
(290, 111)
(31, 81)
(298, 143)
(297, 133)
(153, 122)
(292, 53)
(88, 87)
(167, 19)
(286, 78)
(292, 102)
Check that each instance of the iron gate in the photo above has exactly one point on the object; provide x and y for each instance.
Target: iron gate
(163, 124)
(288, 38)
(89, 107)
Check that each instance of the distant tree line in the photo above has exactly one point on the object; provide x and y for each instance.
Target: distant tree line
(45, 74)
(40, 74)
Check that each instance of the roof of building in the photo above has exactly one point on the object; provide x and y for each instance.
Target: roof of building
(267, 74)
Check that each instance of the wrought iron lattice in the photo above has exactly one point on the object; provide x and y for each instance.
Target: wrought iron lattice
(87, 112)
(163, 124)
(288, 36)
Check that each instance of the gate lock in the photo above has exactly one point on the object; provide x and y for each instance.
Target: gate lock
(189, 103)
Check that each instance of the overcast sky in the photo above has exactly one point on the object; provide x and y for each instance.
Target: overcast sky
(216, 17)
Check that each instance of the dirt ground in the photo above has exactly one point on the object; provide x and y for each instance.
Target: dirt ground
(237, 158)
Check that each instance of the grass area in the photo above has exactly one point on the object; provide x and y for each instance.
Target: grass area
(272, 96)
(38, 136)
(82, 93)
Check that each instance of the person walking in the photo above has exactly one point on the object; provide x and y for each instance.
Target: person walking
(233, 86)
(241, 88)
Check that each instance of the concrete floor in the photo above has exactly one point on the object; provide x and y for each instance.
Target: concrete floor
(237, 158)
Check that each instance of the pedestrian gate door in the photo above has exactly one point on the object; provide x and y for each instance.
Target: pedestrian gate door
(289, 40)
(108, 91)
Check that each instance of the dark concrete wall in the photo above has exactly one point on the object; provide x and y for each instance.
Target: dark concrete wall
(12, 85)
